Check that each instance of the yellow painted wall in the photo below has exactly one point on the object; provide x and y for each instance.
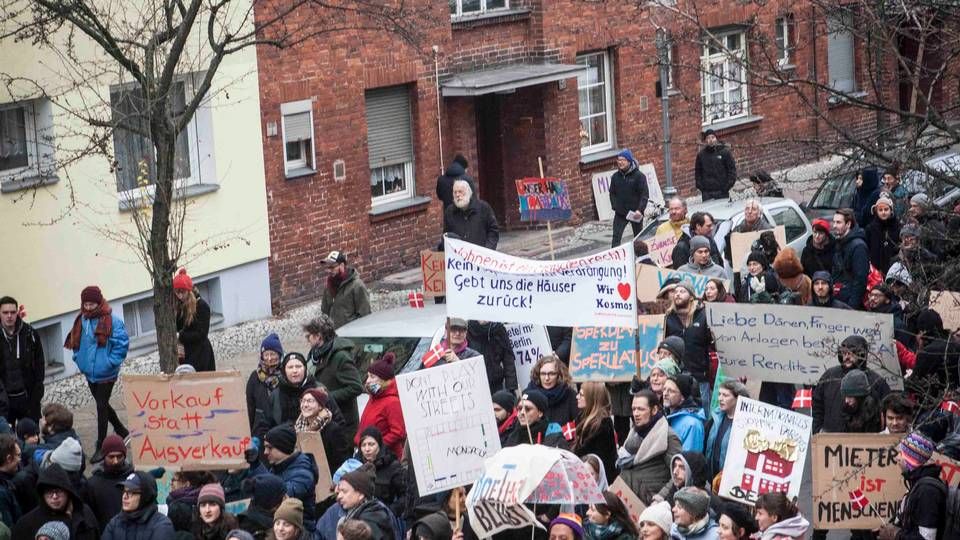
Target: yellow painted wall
(53, 248)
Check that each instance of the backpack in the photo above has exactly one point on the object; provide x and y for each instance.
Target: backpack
(399, 527)
(951, 519)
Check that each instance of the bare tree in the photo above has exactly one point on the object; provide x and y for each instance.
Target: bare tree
(148, 49)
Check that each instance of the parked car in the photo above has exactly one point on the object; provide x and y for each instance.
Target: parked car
(729, 214)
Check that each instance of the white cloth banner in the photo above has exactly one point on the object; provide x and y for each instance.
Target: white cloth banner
(450, 424)
(529, 343)
(796, 344)
(596, 290)
(766, 453)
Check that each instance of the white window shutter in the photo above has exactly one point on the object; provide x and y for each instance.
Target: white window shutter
(389, 139)
(297, 127)
(840, 55)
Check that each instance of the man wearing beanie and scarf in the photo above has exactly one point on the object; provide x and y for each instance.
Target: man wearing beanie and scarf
(828, 399)
(628, 193)
(715, 170)
(701, 261)
(532, 425)
(356, 494)
(922, 512)
(691, 516)
(383, 410)
(139, 519)
(297, 469)
(99, 343)
(103, 492)
(687, 319)
(505, 412)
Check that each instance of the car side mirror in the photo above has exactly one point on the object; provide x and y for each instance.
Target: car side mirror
(803, 205)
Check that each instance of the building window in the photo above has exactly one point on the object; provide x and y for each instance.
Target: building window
(135, 156)
(51, 339)
(25, 139)
(459, 8)
(298, 146)
(595, 90)
(840, 53)
(138, 317)
(389, 144)
(785, 40)
(724, 77)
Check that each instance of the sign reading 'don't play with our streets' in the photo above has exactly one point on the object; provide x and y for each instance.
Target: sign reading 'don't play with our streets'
(595, 290)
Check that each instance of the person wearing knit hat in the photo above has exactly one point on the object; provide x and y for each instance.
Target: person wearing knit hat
(210, 519)
(383, 409)
(266, 492)
(383, 367)
(664, 368)
(701, 260)
(505, 411)
(288, 520)
(817, 254)
(736, 522)
(672, 347)
(68, 455)
(628, 194)
(103, 496)
(691, 516)
(854, 384)
(861, 411)
(99, 342)
(883, 234)
(656, 521)
(193, 324)
(355, 493)
(831, 411)
(390, 484)
(566, 527)
(532, 423)
(923, 510)
(53, 530)
(265, 378)
(297, 469)
(915, 450)
(761, 285)
(239, 534)
(715, 168)
(821, 225)
(281, 438)
(433, 526)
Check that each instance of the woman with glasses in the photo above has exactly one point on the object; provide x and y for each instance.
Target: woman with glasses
(551, 378)
(316, 417)
(595, 433)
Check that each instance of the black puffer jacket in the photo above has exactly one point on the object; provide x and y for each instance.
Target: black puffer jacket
(196, 345)
(715, 169)
(827, 399)
(81, 521)
(491, 340)
(696, 341)
(375, 514)
(476, 223)
(628, 191)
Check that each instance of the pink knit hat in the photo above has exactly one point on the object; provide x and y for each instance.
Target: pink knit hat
(212, 493)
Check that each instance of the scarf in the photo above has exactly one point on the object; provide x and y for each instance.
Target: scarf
(508, 422)
(459, 349)
(270, 378)
(335, 281)
(314, 423)
(694, 528)
(554, 395)
(603, 532)
(102, 332)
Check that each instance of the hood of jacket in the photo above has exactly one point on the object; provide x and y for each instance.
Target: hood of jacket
(855, 233)
(871, 181)
(695, 466)
(55, 476)
(688, 410)
(787, 264)
(454, 170)
(795, 527)
(924, 471)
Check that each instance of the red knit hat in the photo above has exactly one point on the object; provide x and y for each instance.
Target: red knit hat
(91, 293)
(383, 367)
(182, 282)
(318, 394)
(113, 444)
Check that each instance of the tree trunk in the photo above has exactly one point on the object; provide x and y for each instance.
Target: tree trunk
(162, 266)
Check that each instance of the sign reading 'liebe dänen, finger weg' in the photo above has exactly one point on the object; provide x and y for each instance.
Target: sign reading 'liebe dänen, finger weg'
(596, 290)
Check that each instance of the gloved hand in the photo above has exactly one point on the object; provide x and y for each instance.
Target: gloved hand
(636, 385)
(251, 455)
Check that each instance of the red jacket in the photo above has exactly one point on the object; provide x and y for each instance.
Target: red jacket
(383, 411)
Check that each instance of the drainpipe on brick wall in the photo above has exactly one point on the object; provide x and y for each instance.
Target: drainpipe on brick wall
(816, 80)
(436, 74)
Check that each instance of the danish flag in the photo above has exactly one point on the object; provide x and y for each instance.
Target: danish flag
(803, 399)
(858, 499)
(433, 355)
(950, 407)
(416, 300)
(569, 430)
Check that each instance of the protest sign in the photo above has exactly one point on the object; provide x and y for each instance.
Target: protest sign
(529, 342)
(634, 505)
(740, 245)
(610, 354)
(450, 425)
(601, 192)
(844, 462)
(796, 344)
(753, 387)
(766, 452)
(596, 290)
(950, 469)
(188, 421)
(661, 248)
(310, 442)
(543, 199)
(237, 507)
(947, 304)
(431, 270)
(650, 279)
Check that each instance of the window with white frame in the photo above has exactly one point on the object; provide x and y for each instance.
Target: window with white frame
(595, 92)
(724, 77)
(389, 144)
(26, 149)
(841, 63)
(459, 8)
(785, 40)
(136, 164)
(298, 145)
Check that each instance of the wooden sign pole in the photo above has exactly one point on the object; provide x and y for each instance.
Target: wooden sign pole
(549, 228)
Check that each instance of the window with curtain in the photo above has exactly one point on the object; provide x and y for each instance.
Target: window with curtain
(594, 89)
(841, 63)
(724, 77)
(389, 143)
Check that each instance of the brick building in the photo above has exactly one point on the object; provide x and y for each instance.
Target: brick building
(352, 137)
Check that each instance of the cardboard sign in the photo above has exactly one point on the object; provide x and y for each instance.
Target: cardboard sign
(740, 245)
(634, 505)
(188, 421)
(947, 304)
(610, 354)
(650, 279)
(431, 270)
(796, 344)
(950, 472)
(661, 248)
(844, 462)
(311, 442)
(601, 192)
(529, 342)
(766, 452)
(450, 424)
(543, 199)
(596, 290)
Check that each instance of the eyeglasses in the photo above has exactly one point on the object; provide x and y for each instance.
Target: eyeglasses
(549, 373)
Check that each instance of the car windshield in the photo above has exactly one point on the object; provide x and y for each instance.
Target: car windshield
(368, 349)
(836, 192)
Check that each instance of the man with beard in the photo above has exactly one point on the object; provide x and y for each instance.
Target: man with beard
(505, 413)
(471, 219)
(104, 491)
(628, 193)
(687, 319)
(817, 255)
(822, 292)
(715, 169)
(345, 297)
(882, 300)
(140, 518)
(851, 262)
(828, 414)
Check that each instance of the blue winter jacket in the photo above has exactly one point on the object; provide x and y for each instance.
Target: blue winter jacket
(687, 423)
(101, 364)
(148, 524)
(300, 476)
(711, 439)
